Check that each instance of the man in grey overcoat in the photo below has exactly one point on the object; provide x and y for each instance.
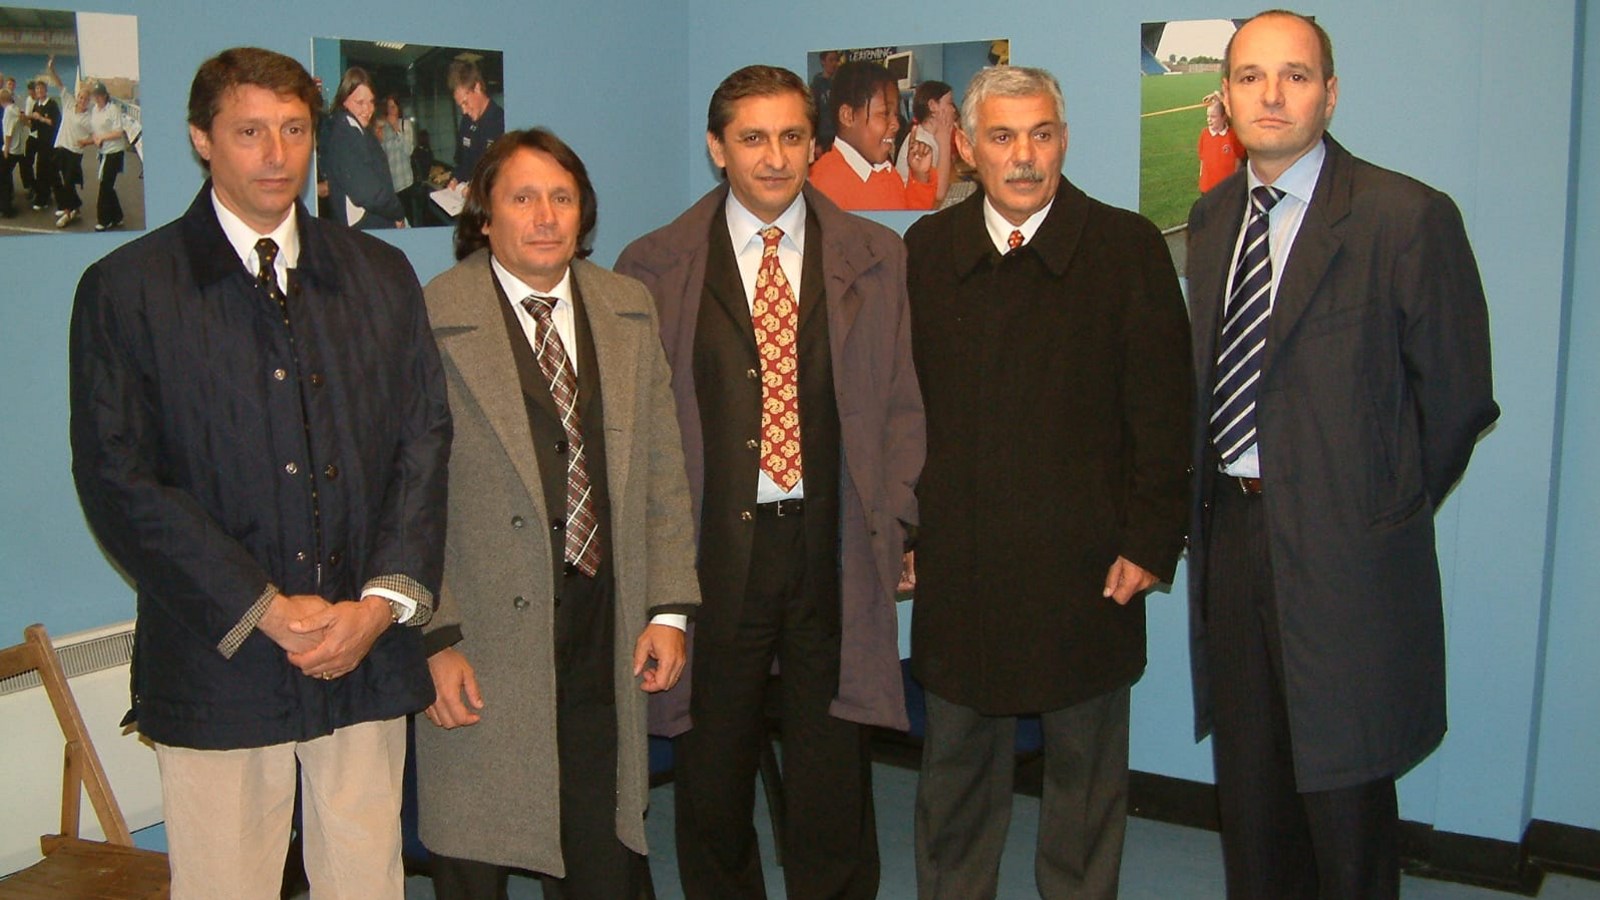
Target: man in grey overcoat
(801, 569)
(568, 560)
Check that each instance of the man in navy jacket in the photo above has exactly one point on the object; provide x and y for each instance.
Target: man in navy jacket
(260, 437)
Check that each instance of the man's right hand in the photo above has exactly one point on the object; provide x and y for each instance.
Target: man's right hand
(285, 609)
(452, 678)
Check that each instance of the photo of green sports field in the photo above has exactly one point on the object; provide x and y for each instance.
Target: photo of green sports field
(1170, 118)
(1179, 64)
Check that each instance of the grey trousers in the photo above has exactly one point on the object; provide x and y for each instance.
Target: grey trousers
(964, 797)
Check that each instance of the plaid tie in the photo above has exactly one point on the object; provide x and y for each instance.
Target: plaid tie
(1244, 335)
(582, 549)
(776, 317)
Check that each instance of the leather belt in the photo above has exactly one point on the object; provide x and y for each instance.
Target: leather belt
(790, 507)
(1250, 487)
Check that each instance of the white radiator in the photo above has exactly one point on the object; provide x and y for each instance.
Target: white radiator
(31, 745)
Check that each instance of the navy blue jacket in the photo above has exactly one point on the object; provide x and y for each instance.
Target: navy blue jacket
(217, 449)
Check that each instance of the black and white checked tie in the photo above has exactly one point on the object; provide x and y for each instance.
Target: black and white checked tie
(1244, 335)
(582, 549)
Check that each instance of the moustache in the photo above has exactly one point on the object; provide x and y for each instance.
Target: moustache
(1025, 172)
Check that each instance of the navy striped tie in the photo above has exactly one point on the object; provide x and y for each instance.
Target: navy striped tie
(1244, 335)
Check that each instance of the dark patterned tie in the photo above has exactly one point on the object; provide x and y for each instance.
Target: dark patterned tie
(266, 270)
(582, 549)
(776, 317)
(1244, 335)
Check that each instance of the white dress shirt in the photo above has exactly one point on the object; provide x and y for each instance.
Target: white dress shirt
(1000, 229)
(1297, 182)
(744, 230)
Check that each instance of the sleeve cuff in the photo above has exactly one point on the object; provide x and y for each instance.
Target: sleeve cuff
(234, 639)
(671, 620)
(407, 592)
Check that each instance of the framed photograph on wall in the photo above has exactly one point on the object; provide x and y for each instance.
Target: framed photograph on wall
(405, 125)
(73, 159)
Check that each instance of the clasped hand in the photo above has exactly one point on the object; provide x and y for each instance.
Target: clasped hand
(322, 639)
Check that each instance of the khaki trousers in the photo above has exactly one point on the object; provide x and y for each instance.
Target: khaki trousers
(228, 815)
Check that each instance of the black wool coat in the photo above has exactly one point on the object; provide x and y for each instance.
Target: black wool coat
(1058, 391)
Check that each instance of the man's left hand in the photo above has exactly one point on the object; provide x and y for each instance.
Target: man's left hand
(664, 644)
(1125, 579)
(351, 629)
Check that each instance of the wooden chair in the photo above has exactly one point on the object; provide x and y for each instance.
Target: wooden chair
(72, 867)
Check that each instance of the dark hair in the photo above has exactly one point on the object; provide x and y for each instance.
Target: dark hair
(465, 74)
(755, 81)
(383, 105)
(469, 225)
(354, 77)
(926, 94)
(1324, 42)
(253, 66)
(856, 83)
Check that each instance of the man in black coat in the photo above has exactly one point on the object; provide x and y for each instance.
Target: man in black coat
(260, 436)
(1049, 336)
(1342, 362)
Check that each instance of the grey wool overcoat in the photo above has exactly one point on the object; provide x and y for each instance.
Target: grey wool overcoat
(489, 791)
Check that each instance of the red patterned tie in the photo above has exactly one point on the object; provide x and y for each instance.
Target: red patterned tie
(776, 317)
(583, 548)
(1015, 240)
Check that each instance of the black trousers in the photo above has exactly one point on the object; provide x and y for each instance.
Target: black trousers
(7, 186)
(42, 160)
(108, 207)
(830, 842)
(69, 174)
(599, 866)
(1278, 843)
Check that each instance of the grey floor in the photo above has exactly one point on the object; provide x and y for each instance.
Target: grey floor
(1160, 862)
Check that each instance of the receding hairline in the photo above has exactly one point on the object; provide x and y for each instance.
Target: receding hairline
(1319, 35)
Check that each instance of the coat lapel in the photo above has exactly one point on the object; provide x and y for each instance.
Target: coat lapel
(471, 331)
(615, 319)
(1315, 246)
(1209, 257)
(843, 261)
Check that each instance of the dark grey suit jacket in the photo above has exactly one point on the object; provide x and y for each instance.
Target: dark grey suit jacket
(1374, 388)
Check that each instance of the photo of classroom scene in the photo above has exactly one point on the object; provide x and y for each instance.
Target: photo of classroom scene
(69, 89)
(405, 125)
(1186, 146)
(887, 117)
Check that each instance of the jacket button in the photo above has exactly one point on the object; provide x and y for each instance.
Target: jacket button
(291, 468)
(752, 444)
(747, 516)
(316, 379)
(335, 558)
(519, 602)
(568, 569)
(331, 472)
(556, 601)
(557, 524)
(561, 447)
(751, 374)
(516, 522)
(279, 374)
(300, 556)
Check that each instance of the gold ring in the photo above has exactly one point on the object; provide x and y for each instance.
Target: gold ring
(326, 676)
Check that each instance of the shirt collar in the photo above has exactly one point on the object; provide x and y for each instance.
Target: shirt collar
(517, 290)
(1216, 133)
(1000, 229)
(242, 238)
(858, 163)
(743, 224)
(1299, 180)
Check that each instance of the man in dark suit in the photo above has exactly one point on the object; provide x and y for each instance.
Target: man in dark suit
(568, 555)
(259, 439)
(785, 323)
(1341, 357)
(1049, 336)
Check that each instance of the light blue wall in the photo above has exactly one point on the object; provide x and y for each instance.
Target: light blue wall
(1568, 787)
(607, 75)
(1472, 96)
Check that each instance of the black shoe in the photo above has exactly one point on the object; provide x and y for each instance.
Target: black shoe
(107, 226)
